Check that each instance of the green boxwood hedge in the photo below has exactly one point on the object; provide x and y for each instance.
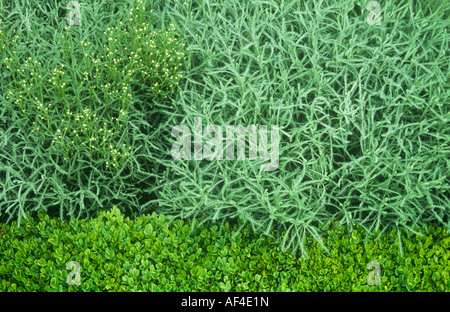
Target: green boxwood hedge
(157, 253)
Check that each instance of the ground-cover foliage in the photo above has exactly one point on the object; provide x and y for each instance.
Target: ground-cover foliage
(78, 108)
(157, 253)
(363, 112)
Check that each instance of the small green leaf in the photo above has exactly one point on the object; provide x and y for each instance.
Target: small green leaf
(148, 229)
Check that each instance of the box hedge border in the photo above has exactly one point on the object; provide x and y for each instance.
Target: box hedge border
(156, 253)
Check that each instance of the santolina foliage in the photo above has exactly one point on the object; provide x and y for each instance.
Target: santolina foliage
(214, 148)
(156, 253)
(78, 120)
(362, 110)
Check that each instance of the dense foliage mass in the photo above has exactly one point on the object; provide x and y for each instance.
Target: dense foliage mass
(79, 111)
(86, 113)
(157, 253)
